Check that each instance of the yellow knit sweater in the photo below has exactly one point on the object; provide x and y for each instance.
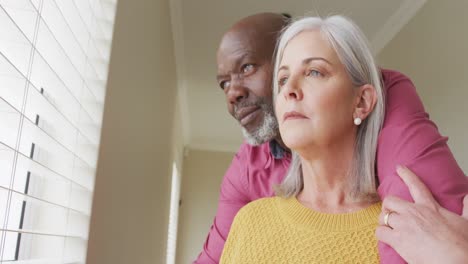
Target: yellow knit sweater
(278, 230)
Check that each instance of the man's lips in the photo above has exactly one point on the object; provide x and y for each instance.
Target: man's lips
(293, 115)
(246, 114)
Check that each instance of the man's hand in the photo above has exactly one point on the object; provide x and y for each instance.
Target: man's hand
(423, 231)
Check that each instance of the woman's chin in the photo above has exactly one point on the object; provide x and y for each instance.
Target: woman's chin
(295, 142)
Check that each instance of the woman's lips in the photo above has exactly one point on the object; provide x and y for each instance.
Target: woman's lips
(293, 115)
(245, 115)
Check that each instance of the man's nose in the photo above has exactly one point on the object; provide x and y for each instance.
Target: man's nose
(237, 91)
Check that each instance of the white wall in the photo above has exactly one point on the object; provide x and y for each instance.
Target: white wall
(202, 175)
(433, 51)
(131, 202)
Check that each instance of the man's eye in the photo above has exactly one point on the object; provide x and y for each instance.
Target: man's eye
(247, 68)
(224, 84)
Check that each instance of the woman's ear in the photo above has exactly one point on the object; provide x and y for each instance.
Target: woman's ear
(366, 98)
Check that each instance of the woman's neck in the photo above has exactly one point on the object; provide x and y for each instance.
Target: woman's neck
(326, 172)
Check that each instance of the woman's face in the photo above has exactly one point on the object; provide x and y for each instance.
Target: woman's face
(316, 99)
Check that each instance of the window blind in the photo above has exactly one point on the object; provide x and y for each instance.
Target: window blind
(173, 216)
(54, 56)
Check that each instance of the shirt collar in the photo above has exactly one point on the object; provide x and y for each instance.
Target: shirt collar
(276, 150)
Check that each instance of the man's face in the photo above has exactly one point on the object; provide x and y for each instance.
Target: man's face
(245, 75)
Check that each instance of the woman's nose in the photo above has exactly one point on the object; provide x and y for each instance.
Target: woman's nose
(293, 89)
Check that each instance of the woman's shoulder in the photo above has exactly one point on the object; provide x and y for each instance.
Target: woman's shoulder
(262, 203)
(258, 208)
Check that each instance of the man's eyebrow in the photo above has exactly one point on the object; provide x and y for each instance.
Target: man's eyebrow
(220, 77)
(307, 61)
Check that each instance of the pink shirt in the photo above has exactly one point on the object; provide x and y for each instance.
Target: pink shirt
(408, 138)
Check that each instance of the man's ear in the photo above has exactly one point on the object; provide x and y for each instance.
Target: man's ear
(366, 98)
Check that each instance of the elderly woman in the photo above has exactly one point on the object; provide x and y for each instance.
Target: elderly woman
(329, 105)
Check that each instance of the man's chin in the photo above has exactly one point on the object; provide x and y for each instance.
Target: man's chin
(261, 130)
(251, 139)
(252, 128)
(258, 137)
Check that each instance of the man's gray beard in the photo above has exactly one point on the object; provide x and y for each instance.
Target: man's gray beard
(267, 131)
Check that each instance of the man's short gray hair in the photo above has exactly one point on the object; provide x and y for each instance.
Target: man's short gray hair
(352, 48)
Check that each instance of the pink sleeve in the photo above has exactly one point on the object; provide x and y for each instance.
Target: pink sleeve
(233, 196)
(410, 138)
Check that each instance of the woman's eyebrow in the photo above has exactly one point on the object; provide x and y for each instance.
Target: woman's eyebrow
(284, 67)
(308, 60)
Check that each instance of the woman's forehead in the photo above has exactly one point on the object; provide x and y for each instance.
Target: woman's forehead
(306, 44)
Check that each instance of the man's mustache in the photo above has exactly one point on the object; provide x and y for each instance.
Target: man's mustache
(240, 106)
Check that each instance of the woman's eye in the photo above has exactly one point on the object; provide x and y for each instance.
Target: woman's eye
(315, 73)
(247, 68)
(282, 81)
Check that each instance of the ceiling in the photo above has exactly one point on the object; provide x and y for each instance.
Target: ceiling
(198, 27)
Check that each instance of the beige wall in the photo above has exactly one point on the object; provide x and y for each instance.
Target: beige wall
(131, 201)
(433, 50)
(202, 175)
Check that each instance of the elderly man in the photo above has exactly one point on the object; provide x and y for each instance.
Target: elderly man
(408, 137)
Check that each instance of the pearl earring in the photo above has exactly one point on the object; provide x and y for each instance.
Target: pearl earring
(357, 121)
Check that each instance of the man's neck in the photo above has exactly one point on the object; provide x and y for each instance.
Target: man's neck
(281, 143)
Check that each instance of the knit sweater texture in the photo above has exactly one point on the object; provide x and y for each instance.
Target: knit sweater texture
(279, 230)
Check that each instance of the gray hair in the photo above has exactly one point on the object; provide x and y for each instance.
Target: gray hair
(352, 48)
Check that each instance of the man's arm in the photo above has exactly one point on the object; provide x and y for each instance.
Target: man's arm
(410, 138)
(233, 196)
(445, 234)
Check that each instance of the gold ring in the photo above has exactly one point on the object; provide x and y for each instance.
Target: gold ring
(386, 217)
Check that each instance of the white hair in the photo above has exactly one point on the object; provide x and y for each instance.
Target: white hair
(352, 48)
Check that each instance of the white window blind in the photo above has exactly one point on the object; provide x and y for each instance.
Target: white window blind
(54, 56)
(173, 216)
